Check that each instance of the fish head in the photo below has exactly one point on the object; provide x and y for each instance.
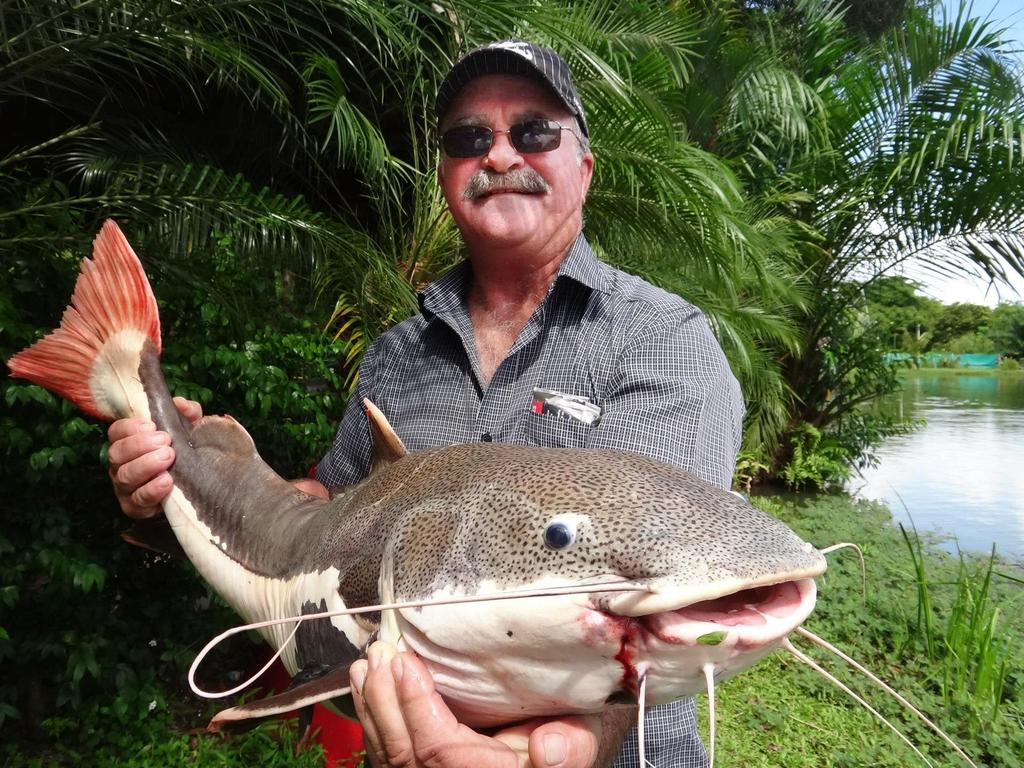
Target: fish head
(696, 576)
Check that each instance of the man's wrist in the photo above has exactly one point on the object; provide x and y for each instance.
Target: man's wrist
(615, 724)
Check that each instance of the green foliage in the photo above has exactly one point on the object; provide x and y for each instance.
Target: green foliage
(816, 460)
(959, 323)
(978, 342)
(1009, 364)
(920, 159)
(866, 18)
(949, 362)
(912, 323)
(967, 639)
(751, 466)
(1006, 329)
(158, 740)
(841, 379)
(905, 319)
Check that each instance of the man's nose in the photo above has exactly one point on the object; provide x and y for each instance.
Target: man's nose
(502, 156)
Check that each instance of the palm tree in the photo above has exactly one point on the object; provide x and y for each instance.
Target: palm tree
(926, 132)
(908, 148)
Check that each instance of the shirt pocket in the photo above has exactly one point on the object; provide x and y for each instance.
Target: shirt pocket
(550, 431)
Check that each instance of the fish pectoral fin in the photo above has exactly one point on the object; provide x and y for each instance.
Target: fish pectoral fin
(308, 688)
(155, 534)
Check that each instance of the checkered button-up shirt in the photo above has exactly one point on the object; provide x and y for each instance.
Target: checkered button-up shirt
(646, 357)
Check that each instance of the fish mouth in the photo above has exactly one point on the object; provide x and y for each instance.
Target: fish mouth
(751, 614)
(727, 633)
(749, 617)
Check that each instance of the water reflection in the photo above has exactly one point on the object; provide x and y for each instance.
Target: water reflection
(963, 473)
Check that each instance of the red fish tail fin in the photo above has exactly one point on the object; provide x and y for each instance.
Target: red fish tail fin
(92, 359)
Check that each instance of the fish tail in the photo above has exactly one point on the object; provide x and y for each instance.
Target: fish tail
(92, 358)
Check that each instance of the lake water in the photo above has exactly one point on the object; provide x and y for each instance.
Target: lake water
(963, 472)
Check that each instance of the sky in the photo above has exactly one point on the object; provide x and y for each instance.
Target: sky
(1008, 14)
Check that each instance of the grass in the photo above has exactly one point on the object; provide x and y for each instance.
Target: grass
(782, 714)
(974, 655)
(162, 742)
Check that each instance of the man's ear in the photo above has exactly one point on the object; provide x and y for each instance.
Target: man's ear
(586, 172)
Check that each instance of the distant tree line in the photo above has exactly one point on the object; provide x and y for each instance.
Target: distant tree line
(910, 322)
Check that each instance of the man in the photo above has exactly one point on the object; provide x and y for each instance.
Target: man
(532, 340)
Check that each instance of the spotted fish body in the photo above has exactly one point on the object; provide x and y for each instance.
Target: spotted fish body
(716, 581)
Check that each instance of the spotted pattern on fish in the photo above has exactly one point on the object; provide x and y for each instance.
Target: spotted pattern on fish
(467, 510)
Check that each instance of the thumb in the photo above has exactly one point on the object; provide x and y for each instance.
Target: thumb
(570, 742)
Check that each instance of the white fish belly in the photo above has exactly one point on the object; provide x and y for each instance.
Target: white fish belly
(506, 660)
(255, 597)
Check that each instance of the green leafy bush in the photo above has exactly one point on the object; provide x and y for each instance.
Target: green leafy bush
(816, 460)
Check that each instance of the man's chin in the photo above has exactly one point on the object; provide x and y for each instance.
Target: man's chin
(503, 233)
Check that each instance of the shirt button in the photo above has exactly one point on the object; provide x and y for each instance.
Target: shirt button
(486, 437)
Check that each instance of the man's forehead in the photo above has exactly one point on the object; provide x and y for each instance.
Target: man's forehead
(485, 95)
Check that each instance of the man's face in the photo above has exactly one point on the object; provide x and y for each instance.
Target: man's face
(504, 218)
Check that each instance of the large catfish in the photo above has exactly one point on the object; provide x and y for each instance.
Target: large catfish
(700, 584)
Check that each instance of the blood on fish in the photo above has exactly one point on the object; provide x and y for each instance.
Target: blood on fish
(630, 680)
(630, 631)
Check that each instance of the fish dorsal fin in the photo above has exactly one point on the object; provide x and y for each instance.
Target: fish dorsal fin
(387, 446)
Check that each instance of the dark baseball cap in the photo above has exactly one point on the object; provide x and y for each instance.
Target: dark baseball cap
(513, 57)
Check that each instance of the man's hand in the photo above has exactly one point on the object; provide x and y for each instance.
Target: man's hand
(140, 456)
(406, 724)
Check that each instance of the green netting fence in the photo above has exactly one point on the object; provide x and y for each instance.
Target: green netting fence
(943, 360)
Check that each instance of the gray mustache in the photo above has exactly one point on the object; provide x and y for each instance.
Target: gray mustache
(485, 181)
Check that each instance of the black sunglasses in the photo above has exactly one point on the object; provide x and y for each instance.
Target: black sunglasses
(528, 137)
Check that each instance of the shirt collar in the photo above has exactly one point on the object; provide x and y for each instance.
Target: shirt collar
(448, 292)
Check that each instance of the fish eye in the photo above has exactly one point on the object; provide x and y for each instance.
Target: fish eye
(559, 534)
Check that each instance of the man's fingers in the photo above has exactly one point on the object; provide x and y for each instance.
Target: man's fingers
(427, 718)
(123, 428)
(138, 470)
(380, 709)
(131, 476)
(133, 446)
(190, 409)
(407, 724)
(140, 456)
(147, 498)
(357, 674)
(438, 739)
